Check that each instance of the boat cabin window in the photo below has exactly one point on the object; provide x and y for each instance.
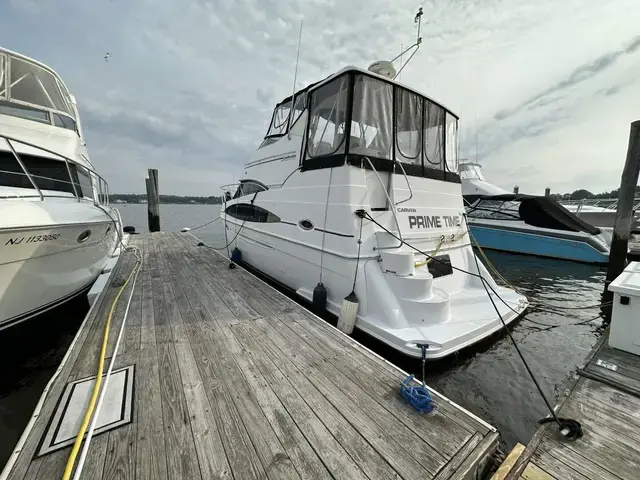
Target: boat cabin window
(32, 92)
(47, 173)
(251, 213)
(384, 122)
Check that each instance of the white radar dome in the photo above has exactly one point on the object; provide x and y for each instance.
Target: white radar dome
(384, 68)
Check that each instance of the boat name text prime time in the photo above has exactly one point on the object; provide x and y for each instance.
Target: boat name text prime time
(433, 221)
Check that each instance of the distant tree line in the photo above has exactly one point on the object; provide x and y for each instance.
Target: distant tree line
(583, 194)
(141, 198)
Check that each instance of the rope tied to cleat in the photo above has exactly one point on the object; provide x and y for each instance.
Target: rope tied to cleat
(418, 396)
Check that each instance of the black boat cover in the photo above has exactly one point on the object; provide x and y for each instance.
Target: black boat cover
(545, 212)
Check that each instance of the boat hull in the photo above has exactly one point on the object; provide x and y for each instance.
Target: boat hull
(539, 244)
(43, 267)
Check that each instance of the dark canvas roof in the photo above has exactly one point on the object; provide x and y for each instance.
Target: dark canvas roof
(545, 212)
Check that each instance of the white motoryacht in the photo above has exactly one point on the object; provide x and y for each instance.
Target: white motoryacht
(356, 183)
(57, 230)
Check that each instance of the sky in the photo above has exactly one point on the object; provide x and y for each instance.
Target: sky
(545, 90)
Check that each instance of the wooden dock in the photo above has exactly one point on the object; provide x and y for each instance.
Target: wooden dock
(233, 380)
(605, 399)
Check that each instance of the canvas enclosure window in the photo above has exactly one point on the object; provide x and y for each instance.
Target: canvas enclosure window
(372, 118)
(433, 135)
(408, 127)
(327, 117)
(451, 138)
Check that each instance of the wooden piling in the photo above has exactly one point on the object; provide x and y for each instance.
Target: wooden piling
(153, 200)
(624, 213)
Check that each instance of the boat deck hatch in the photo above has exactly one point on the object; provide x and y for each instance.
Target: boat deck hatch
(115, 411)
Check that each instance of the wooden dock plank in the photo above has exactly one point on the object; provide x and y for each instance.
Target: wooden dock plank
(306, 462)
(360, 357)
(234, 381)
(607, 404)
(268, 448)
(151, 452)
(179, 441)
(120, 455)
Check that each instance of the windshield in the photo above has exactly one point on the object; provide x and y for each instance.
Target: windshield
(280, 118)
(471, 172)
(30, 91)
(33, 84)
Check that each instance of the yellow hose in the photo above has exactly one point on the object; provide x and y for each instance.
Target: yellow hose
(96, 388)
(431, 255)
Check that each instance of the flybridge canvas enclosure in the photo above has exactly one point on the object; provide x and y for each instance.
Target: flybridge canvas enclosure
(356, 115)
(540, 212)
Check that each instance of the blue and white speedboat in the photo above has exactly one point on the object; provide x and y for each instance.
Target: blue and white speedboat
(528, 224)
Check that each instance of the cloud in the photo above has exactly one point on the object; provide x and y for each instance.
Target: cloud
(548, 89)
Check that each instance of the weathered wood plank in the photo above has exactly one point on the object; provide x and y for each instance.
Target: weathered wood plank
(322, 424)
(469, 466)
(369, 425)
(508, 462)
(456, 461)
(577, 463)
(151, 453)
(240, 452)
(305, 460)
(269, 449)
(533, 472)
(87, 362)
(446, 429)
(346, 393)
(182, 459)
(274, 301)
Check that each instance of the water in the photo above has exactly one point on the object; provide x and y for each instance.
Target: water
(488, 380)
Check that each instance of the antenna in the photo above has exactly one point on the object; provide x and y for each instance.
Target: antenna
(418, 20)
(295, 77)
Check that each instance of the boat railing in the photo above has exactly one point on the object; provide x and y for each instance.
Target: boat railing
(606, 203)
(392, 206)
(99, 186)
(408, 184)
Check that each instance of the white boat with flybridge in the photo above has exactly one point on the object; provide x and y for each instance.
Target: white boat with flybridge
(528, 224)
(57, 231)
(353, 201)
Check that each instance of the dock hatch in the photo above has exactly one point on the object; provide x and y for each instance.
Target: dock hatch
(115, 411)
